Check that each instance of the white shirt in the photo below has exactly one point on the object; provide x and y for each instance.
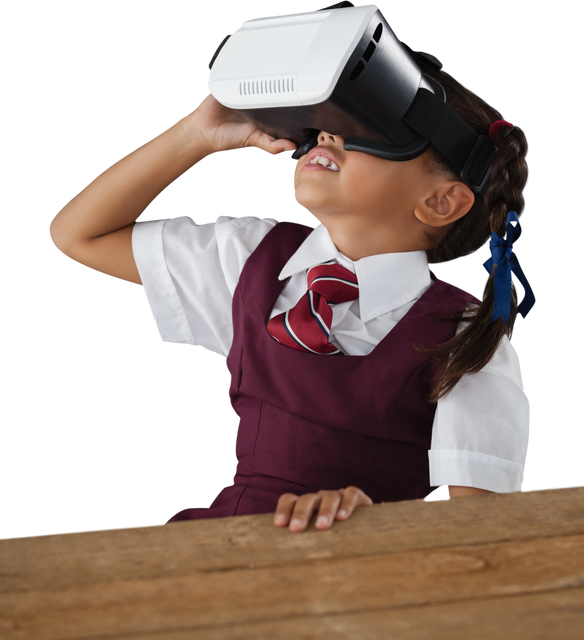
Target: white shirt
(190, 273)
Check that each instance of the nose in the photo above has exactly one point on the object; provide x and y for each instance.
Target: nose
(325, 136)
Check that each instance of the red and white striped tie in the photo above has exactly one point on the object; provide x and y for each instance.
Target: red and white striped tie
(307, 326)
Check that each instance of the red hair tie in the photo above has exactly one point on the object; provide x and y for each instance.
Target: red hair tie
(494, 128)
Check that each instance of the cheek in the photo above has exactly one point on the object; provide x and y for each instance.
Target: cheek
(367, 168)
(367, 184)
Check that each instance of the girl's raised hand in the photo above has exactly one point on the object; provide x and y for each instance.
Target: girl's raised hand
(331, 505)
(223, 129)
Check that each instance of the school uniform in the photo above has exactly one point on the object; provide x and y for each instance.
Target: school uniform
(310, 421)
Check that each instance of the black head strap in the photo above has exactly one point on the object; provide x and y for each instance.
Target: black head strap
(468, 153)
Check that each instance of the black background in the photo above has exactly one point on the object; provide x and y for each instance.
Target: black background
(103, 425)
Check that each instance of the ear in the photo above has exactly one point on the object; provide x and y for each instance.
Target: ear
(450, 201)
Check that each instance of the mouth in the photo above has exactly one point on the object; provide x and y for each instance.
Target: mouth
(317, 162)
(317, 167)
(320, 159)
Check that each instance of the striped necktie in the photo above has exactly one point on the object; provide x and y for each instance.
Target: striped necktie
(307, 326)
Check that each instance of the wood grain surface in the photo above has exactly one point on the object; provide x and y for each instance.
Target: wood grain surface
(474, 567)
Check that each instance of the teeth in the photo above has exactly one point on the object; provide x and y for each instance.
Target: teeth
(325, 162)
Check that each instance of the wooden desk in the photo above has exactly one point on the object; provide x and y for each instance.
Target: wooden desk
(496, 567)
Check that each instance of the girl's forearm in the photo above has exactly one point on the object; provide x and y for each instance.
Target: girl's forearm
(117, 197)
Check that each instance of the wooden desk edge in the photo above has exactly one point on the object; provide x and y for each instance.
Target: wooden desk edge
(142, 524)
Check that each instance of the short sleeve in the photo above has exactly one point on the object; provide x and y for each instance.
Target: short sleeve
(481, 427)
(190, 272)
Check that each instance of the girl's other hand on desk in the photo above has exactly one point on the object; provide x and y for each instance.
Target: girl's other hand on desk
(297, 510)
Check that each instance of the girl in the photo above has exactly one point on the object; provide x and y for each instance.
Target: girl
(427, 389)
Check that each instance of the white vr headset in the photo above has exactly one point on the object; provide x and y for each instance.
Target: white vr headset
(342, 70)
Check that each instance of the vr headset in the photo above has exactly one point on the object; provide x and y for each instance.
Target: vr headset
(341, 69)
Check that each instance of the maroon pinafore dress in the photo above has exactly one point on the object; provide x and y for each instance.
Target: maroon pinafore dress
(310, 421)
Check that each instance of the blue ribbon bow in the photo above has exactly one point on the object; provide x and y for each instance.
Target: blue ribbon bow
(506, 262)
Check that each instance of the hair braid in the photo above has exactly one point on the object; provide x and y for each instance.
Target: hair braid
(509, 166)
(476, 344)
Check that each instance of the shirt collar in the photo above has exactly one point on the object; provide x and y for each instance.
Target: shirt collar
(386, 281)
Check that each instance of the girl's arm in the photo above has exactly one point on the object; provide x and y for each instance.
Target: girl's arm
(95, 228)
(457, 492)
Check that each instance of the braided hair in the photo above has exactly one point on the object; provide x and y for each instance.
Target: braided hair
(476, 344)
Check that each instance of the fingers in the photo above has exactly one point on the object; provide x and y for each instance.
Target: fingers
(278, 151)
(326, 502)
(297, 511)
(273, 145)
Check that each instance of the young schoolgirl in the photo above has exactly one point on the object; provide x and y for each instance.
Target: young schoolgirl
(357, 375)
